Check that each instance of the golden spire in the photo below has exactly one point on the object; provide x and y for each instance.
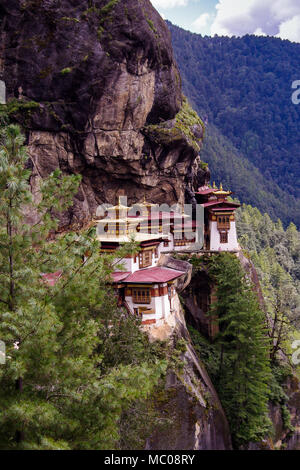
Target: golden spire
(221, 192)
(146, 204)
(214, 185)
(119, 211)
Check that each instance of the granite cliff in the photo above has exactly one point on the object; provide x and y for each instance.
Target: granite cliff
(97, 90)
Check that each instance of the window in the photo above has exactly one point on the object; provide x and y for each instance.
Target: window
(223, 237)
(223, 222)
(141, 295)
(166, 243)
(145, 259)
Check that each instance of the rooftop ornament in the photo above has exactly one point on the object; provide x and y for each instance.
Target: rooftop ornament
(220, 192)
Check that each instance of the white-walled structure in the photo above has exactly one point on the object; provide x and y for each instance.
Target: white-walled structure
(219, 219)
(142, 287)
(223, 239)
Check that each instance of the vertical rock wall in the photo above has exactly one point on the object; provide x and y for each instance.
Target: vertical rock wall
(97, 74)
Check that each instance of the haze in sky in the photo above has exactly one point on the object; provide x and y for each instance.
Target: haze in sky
(279, 18)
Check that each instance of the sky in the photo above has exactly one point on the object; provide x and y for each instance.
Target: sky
(280, 18)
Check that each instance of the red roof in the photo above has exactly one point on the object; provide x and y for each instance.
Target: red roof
(211, 203)
(219, 203)
(151, 243)
(51, 278)
(119, 276)
(217, 209)
(203, 192)
(153, 275)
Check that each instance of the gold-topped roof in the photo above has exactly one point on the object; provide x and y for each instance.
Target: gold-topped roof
(183, 214)
(221, 192)
(119, 206)
(146, 203)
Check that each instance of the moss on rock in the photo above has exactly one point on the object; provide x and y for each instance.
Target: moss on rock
(185, 126)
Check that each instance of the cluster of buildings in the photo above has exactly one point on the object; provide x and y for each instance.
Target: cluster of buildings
(143, 286)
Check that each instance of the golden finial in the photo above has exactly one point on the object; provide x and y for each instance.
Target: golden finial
(214, 185)
(221, 187)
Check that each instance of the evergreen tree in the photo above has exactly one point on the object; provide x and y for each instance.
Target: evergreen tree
(243, 380)
(275, 253)
(74, 362)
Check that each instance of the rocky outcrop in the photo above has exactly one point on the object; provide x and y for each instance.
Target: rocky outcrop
(95, 85)
(189, 400)
(251, 272)
(198, 420)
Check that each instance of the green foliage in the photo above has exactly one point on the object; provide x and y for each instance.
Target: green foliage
(276, 255)
(243, 379)
(208, 352)
(204, 166)
(66, 70)
(108, 7)
(151, 24)
(75, 362)
(230, 167)
(242, 87)
(67, 18)
(102, 14)
(16, 108)
(133, 433)
(277, 395)
(185, 120)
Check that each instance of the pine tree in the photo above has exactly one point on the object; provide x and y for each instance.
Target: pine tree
(61, 387)
(243, 379)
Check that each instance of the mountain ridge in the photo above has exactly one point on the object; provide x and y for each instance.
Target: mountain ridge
(243, 92)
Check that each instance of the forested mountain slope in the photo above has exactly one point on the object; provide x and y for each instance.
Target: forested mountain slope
(243, 87)
(276, 255)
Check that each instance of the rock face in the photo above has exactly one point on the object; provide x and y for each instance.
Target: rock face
(190, 399)
(104, 87)
(198, 420)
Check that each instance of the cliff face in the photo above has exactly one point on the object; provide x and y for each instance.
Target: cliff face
(103, 95)
(190, 400)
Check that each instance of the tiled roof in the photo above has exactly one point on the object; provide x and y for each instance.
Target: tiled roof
(153, 275)
(211, 203)
(119, 276)
(204, 191)
(219, 203)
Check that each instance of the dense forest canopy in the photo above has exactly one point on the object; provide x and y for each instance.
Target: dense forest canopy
(243, 87)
